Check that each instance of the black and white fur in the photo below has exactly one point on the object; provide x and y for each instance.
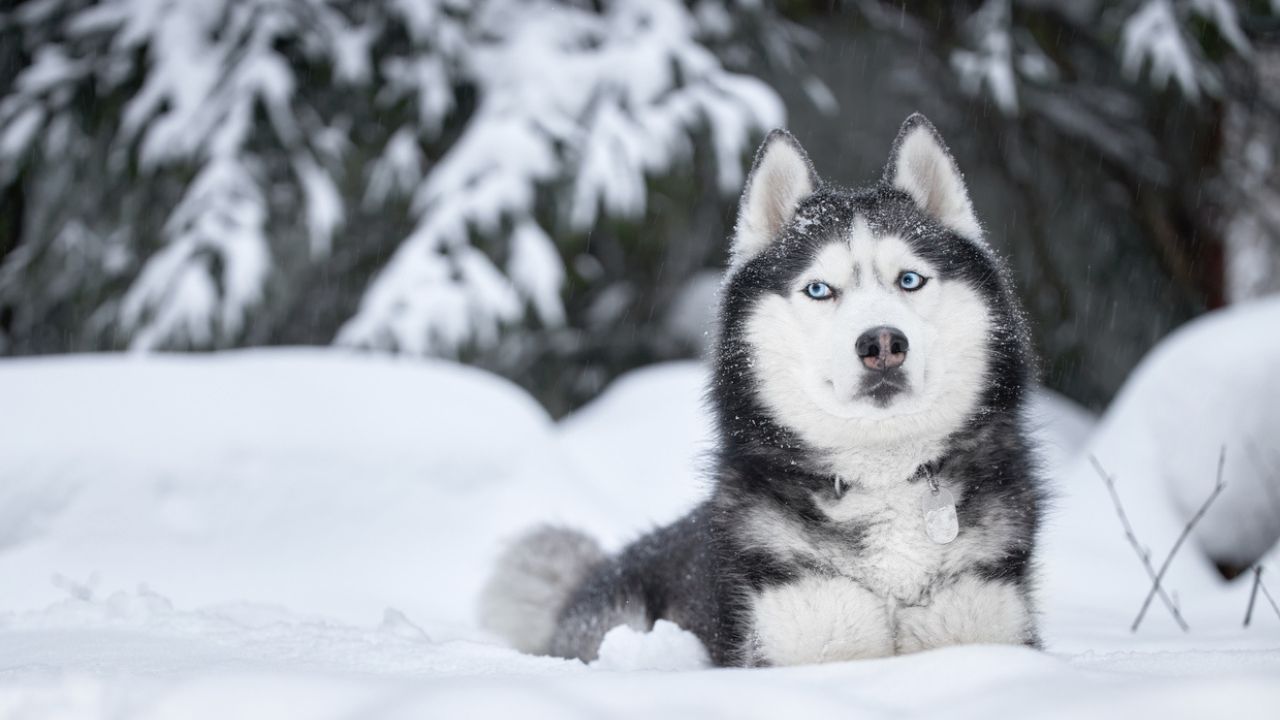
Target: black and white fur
(812, 545)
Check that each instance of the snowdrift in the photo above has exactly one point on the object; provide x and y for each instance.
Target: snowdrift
(302, 533)
(330, 484)
(1161, 440)
(1210, 387)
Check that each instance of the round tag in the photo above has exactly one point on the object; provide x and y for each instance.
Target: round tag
(940, 521)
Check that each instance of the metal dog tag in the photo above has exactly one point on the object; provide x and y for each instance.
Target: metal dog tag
(940, 521)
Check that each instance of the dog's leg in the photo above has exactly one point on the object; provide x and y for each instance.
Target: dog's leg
(969, 610)
(819, 619)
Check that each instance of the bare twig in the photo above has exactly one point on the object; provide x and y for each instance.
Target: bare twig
(1143, 555)
(1253, 594)
(1218, 485)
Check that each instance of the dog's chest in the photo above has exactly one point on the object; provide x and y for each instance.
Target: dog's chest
(890, 551)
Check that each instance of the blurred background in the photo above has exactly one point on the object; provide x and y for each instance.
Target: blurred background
(545, 189)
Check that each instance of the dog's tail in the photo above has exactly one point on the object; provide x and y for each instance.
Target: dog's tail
(532, 582)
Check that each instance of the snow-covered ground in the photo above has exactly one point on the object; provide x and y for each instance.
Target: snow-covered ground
(302, 533)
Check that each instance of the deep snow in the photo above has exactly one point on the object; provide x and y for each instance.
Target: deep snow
(301, 533)
(1176, 415)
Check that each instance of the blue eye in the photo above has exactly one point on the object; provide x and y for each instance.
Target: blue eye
(911, 281)
(818, 290)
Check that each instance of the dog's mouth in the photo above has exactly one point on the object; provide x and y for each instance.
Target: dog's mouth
(880, 388)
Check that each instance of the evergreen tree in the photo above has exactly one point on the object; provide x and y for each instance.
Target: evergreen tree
(415, 175)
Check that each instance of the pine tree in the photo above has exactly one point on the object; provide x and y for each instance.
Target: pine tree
(398, 175)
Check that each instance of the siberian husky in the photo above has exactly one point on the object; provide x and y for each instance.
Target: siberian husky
(874, 489)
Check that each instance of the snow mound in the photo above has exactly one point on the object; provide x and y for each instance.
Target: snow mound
(1178, 412)
(1160, 441)
(304, 534)
(644, 443)
(328, 483)
(1060, 427)
(1192, 413)
(665, 647)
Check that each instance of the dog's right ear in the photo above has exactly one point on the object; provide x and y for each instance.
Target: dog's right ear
(780, 178)
(921, 166)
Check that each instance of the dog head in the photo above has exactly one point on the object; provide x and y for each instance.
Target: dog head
(871, 316)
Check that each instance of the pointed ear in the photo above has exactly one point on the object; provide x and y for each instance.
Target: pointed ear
(922, 167)
(780, 178)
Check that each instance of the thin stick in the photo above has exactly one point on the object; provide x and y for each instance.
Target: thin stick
(1186, 531)
(1143, 555)
(1253, 594)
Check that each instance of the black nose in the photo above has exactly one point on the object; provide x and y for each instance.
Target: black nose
(882, 348)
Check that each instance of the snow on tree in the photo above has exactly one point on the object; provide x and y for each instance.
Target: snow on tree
(1155, 40)
(205, 151)
(202, 71)
(989, 66)
(1251, 179)
(1153, 35)
(602, 100)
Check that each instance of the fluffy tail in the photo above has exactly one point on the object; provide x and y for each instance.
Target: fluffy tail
(532, 582)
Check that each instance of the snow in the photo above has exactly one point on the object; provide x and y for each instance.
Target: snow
(643, 444)
(1176, 416)
(205, 70)
(1222, 15)
(692, 313)
(602, 100)
(1155, 35)
(397, 170)
(1161, 440)
(504, 123)
(279, 471)
(302, 533)
(324, 204)
(1152, 35)
(991, 65)
(176, 297)
(665, 647)
(537, 272)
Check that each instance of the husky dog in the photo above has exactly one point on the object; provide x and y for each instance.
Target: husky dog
(874, 491)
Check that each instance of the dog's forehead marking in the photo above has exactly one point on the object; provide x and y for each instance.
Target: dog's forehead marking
(865, 254)
(893, 256)
(835, 263)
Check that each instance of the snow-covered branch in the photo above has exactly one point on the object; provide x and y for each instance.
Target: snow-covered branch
(602, 100)
(263, 127)
(1155, 38)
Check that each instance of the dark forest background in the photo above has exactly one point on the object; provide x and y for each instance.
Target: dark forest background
(1121, 154)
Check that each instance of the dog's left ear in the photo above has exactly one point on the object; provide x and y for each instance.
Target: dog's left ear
(921, 166)
(780, 178)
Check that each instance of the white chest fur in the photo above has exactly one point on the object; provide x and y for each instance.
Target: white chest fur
(879, 586)
(877, 538)
(894, 556)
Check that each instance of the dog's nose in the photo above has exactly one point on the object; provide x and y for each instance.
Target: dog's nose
(882, 348)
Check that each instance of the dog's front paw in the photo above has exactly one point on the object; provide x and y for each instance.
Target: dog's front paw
(969, 610)
(820, 619)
